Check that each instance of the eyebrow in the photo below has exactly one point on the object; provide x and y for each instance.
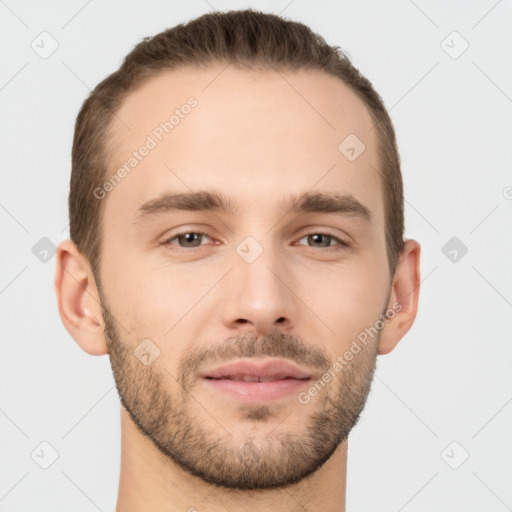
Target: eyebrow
(215, 201)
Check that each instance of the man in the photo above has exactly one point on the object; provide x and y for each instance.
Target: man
(236, 219)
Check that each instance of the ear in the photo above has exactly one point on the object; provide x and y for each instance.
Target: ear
(403, 298)
(78, 299)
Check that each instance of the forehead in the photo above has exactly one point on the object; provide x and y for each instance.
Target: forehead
(254, 133)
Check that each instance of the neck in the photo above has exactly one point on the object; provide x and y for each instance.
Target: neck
(151, 481)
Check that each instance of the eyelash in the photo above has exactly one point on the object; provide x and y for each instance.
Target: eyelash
(341, 243)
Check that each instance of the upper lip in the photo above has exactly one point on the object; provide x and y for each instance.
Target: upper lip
(276, 368)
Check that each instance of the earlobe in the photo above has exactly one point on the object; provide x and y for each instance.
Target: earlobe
(403, 298)
(78, 299)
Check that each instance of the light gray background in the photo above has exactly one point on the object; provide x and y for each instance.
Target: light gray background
(449, 378)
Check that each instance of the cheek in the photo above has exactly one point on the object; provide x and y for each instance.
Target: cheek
(345, 299)
(150, 301)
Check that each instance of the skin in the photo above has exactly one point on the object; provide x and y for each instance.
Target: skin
(258, 140)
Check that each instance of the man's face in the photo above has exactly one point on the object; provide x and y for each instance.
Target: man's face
(263, 283)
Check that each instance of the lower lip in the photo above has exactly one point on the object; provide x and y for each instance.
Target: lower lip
(257, 391)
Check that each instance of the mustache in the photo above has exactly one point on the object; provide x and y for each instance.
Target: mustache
(275, 344)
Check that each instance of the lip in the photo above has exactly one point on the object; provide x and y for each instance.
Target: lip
(266, 369)
(288, 379)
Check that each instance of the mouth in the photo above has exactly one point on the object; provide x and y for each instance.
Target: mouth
(254, 378)
(250, 381)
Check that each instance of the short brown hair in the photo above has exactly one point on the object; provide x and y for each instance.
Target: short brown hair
(243, 38)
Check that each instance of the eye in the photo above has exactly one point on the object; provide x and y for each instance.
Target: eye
(324, 241)
(187, 239)
(193, 239)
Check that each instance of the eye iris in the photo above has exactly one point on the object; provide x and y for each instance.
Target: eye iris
(315, 237)
(194, 239)
(190, 237)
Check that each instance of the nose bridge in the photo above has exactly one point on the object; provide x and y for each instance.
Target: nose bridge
(257, 295)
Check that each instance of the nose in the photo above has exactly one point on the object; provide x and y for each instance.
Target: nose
(259, 296)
